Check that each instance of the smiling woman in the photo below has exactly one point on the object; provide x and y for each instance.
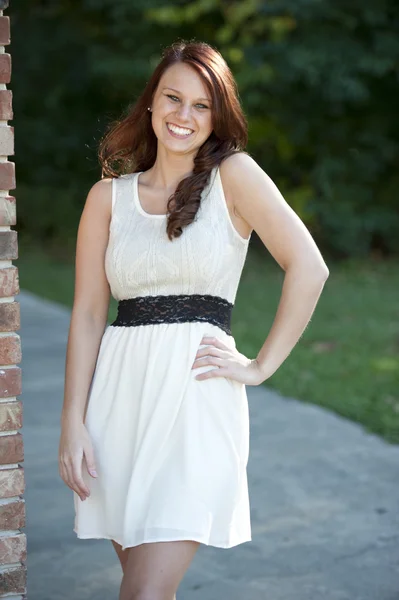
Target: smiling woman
(156, 402)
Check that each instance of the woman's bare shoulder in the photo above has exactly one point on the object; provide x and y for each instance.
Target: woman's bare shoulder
(99, 198)
(238, 166)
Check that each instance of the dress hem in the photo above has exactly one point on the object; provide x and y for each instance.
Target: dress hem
(193, 538)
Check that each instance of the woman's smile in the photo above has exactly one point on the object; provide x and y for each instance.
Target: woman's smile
(179, 132)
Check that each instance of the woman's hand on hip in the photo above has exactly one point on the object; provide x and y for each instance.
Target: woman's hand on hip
(229, 362)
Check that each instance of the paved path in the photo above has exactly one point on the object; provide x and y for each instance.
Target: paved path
(324, 499)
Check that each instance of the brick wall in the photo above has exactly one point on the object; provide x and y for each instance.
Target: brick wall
(12, 483)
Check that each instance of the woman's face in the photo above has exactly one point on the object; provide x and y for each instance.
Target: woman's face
(182, 110)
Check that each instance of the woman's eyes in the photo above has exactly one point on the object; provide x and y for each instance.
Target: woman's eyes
(199, 104)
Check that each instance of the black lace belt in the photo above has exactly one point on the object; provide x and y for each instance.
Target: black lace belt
(175, 308)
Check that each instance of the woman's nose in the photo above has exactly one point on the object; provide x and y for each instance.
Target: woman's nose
(184, 111)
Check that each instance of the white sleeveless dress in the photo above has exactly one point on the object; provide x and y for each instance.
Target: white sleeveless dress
(171, 451)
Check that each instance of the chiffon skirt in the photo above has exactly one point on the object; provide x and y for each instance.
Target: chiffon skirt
(171, 452)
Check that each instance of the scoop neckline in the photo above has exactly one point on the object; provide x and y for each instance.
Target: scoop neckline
(138, 203)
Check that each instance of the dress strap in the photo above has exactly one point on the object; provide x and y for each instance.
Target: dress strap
(220, 200)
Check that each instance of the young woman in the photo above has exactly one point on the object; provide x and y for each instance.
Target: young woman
(155, 432)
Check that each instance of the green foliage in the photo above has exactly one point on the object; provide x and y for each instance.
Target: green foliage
(50, 216)
(318, 83)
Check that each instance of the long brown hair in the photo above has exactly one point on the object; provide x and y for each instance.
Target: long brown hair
(130, 145)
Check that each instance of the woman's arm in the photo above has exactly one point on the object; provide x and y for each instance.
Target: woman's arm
(258, 201)
(91, 301)
(88, 321)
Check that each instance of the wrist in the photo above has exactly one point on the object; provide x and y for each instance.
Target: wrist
(263, 368)
(71, 419)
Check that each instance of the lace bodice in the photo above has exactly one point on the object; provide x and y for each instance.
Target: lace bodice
(140, 260)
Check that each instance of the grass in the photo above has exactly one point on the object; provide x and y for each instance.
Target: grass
(348, 358)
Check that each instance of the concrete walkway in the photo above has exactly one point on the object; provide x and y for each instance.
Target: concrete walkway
(324, 499)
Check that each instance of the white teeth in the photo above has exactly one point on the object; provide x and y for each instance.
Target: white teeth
(179, 130)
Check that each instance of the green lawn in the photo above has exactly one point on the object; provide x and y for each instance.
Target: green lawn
(347, 359)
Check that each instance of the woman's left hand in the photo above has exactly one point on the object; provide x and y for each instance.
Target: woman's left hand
(229, 362)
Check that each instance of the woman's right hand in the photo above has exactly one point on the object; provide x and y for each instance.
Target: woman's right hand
(75, 445)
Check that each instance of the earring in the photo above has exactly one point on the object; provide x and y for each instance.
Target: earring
(149, 109)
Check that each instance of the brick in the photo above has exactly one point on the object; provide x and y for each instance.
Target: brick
(11, 416)
(10, 318)
(5, 31)
(5, 68)
(8, 245)
(9, 282)
(10, 382)
(10, 349)
(11, 449)
(6, 112)
(12, 482)
(13, 548)
(13, 580)
(6, 140)
(7, 174)
(8, 212)
(12, 515)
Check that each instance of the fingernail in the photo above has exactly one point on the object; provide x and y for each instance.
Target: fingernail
(93, 472)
